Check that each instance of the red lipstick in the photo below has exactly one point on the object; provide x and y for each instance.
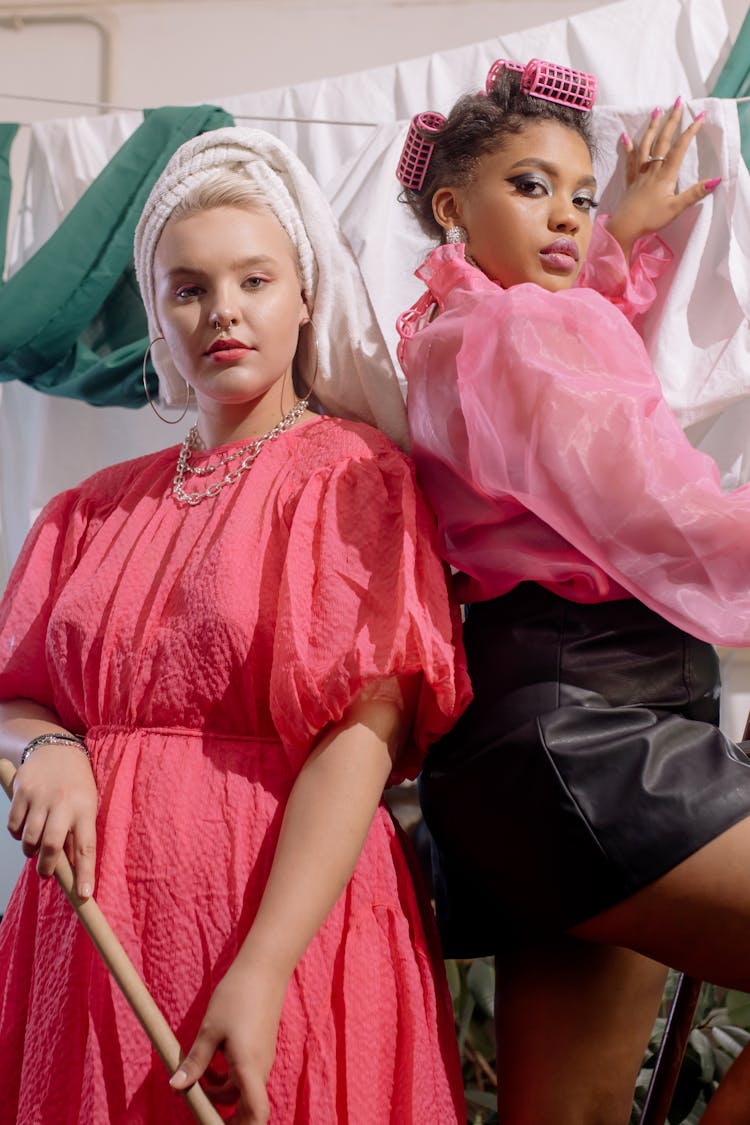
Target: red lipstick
(227, 350)
(226, 342)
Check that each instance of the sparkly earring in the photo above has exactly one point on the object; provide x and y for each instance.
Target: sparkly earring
(456, 234)
(149, 400)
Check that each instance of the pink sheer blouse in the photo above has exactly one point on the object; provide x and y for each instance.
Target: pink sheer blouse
(543, 441)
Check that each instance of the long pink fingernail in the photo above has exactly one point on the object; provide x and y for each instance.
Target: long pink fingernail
(625, 139)
(655, 113)
(711, 185)
(701, 115)
(678, 102)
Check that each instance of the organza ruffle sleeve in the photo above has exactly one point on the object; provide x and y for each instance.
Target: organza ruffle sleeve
(546, 403)
(363, 598)
(632, 288)
(47, 556)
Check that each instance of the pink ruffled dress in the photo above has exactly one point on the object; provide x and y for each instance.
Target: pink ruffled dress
(588, 534)
(201, 651)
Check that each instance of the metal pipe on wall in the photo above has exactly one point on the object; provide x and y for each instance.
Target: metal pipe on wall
(17, 21)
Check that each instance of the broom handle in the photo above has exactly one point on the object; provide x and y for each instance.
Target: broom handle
(125, 975)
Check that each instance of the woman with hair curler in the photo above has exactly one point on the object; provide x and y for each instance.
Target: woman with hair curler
(609, 816)
(211, 660)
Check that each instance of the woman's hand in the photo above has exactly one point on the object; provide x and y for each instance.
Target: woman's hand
(653, 165)
(241, 1021)
(54, 808)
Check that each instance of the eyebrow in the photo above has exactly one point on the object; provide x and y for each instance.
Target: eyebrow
(551, 170)
(258, 261)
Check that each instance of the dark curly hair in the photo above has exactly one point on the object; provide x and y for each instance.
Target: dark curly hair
(478, 124)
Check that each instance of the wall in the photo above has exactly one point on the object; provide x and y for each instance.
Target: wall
(132, 55)
(165, 52)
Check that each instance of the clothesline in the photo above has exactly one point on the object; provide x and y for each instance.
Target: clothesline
(110, 106)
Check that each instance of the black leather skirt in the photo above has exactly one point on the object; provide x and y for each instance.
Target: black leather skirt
(588, 764)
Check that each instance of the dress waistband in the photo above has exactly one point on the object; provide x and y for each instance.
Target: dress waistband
(203, 734)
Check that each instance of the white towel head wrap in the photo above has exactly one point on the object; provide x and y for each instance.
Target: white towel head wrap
(355, 377)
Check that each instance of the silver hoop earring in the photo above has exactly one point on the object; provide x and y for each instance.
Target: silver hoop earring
(455, 234)
(149, 400)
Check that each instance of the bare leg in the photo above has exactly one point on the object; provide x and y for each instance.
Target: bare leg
(572, 1021)
(697, 918)
(730, 1105)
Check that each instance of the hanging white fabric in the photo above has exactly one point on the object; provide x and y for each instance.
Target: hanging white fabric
(697, 333)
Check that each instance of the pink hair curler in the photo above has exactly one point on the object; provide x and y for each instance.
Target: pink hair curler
(494, 72)
(559, 84)
(417, 150)
(551, 82)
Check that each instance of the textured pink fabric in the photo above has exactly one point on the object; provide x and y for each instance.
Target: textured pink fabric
(542, 438)
(201, 651)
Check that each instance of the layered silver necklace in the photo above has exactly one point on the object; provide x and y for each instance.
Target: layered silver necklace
(246, 456)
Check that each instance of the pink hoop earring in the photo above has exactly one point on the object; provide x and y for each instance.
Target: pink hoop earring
(149, 400)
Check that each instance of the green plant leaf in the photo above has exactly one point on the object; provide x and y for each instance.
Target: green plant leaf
(468, 1004)
(723, 1062)
(704, 1050)
(729, 1039)
(481, 982)
(738, 1008)
(453, 974)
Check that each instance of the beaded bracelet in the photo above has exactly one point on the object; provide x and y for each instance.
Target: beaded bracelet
(50, 739)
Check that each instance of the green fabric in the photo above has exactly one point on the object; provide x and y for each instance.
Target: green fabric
(734, 82)
(7, 133)
(71, 320)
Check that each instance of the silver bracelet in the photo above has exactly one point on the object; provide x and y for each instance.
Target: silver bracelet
(49, 740)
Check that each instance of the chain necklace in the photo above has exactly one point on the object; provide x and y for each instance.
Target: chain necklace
(246, 456)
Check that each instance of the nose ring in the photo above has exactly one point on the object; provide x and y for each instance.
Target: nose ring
(221, 324)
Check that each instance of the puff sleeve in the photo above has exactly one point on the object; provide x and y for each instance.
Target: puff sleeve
(631, 288)
(363, 598)
(47, 556)
(557, 419)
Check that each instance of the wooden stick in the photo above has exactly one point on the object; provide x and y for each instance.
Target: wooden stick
(122, 969)
(671, 1051)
